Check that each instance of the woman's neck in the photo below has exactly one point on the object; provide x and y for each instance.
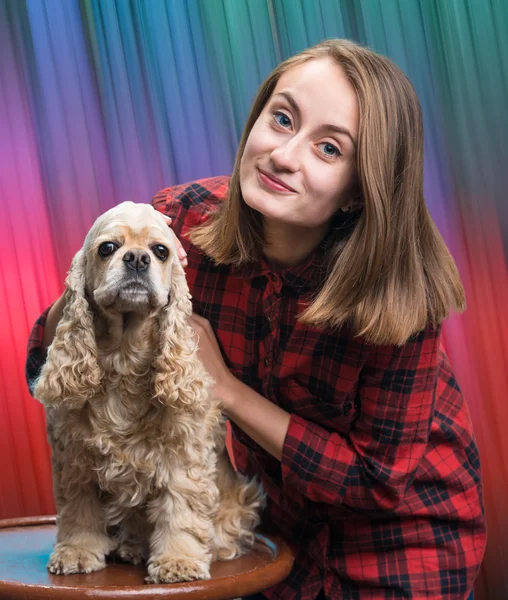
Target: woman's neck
(290, 245)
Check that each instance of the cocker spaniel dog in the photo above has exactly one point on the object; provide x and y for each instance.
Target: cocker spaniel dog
(139, 462)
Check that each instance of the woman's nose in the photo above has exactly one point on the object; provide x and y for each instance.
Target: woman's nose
(286, 156)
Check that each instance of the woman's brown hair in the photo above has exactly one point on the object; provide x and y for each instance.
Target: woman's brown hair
(394, 275)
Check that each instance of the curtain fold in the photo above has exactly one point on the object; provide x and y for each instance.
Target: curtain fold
(103, 101)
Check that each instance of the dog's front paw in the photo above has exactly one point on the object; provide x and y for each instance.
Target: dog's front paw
(176, 569)
(67, 558)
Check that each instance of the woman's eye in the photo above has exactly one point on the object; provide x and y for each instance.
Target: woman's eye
(282, 119)
(107, 249)
(160, 251)
(329, 149)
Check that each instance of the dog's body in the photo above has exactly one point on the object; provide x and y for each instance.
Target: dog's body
(138, 441)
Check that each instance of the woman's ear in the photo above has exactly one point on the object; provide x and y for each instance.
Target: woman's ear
(72, 373)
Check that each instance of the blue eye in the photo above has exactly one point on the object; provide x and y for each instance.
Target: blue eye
(330, 149)
(282, 119)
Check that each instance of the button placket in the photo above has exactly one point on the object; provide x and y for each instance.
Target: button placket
(272, 314)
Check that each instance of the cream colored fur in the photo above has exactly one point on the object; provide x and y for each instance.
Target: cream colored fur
(140, 468)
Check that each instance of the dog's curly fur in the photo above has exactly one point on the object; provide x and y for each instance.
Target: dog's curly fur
(140, 468)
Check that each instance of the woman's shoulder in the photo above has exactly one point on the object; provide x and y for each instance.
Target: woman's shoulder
(188, 203)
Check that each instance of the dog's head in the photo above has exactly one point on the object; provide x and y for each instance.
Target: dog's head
(130, 260)
(128, 264)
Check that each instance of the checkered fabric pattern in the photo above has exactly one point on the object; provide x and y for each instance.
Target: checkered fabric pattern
(379, 488)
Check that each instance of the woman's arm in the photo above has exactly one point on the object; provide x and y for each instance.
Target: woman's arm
(36, 351)
(262, 420)
(371, 468)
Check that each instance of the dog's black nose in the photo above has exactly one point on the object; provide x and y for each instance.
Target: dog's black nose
(137, 260)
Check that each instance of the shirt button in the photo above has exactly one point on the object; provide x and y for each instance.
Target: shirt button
(266, 361)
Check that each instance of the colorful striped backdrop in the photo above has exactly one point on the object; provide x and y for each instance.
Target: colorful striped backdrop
(107, 100)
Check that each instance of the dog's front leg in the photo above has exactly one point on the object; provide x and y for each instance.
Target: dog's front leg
(82, 543)
(183, 528)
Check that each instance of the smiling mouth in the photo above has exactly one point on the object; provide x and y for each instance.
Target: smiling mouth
(274, 184)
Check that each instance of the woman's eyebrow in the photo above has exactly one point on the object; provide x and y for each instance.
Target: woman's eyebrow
(292, 102)
(343, 130)
(336, 128)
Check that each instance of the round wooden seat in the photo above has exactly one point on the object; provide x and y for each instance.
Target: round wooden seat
(25, 546)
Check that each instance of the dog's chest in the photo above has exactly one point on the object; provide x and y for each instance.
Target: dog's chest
(127, 447)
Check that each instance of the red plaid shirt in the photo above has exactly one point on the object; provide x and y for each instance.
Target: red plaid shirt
(379, 488)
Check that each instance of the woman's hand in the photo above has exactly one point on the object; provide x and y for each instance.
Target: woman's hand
(182, 255)
(263, 421)
(211, 356)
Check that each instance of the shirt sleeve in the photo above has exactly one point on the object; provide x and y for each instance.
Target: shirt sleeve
(188, 204)
(36, 353)
(166, 202)
(371, 468)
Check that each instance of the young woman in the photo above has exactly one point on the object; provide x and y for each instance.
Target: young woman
(320, 284)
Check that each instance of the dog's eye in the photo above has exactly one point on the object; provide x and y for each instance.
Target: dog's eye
(160, 251)
(107, 248)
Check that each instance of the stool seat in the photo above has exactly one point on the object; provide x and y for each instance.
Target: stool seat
(25, 546)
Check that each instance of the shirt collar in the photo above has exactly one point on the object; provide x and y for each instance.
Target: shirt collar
(310, 274)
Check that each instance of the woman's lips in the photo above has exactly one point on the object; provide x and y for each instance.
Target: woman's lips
(273, 184)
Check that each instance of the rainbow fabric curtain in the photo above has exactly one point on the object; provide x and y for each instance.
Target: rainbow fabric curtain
(103, 101)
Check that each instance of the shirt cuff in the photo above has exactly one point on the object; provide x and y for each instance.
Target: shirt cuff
(316, 461)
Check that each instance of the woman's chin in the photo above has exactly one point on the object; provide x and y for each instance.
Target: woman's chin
(266, 203)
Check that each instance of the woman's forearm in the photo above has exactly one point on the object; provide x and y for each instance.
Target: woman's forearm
(263, 421)
(54, 315)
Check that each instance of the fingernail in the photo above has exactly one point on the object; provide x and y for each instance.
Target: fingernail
(185, 262)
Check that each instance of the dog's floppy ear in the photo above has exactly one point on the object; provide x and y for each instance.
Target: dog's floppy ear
(180, 380)
(72, 373)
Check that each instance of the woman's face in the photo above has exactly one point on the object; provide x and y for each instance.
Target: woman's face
(299, 162)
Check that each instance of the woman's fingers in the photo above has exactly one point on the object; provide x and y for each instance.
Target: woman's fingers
(182, 255)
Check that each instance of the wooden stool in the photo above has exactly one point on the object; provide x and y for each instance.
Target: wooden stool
(25, 546)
